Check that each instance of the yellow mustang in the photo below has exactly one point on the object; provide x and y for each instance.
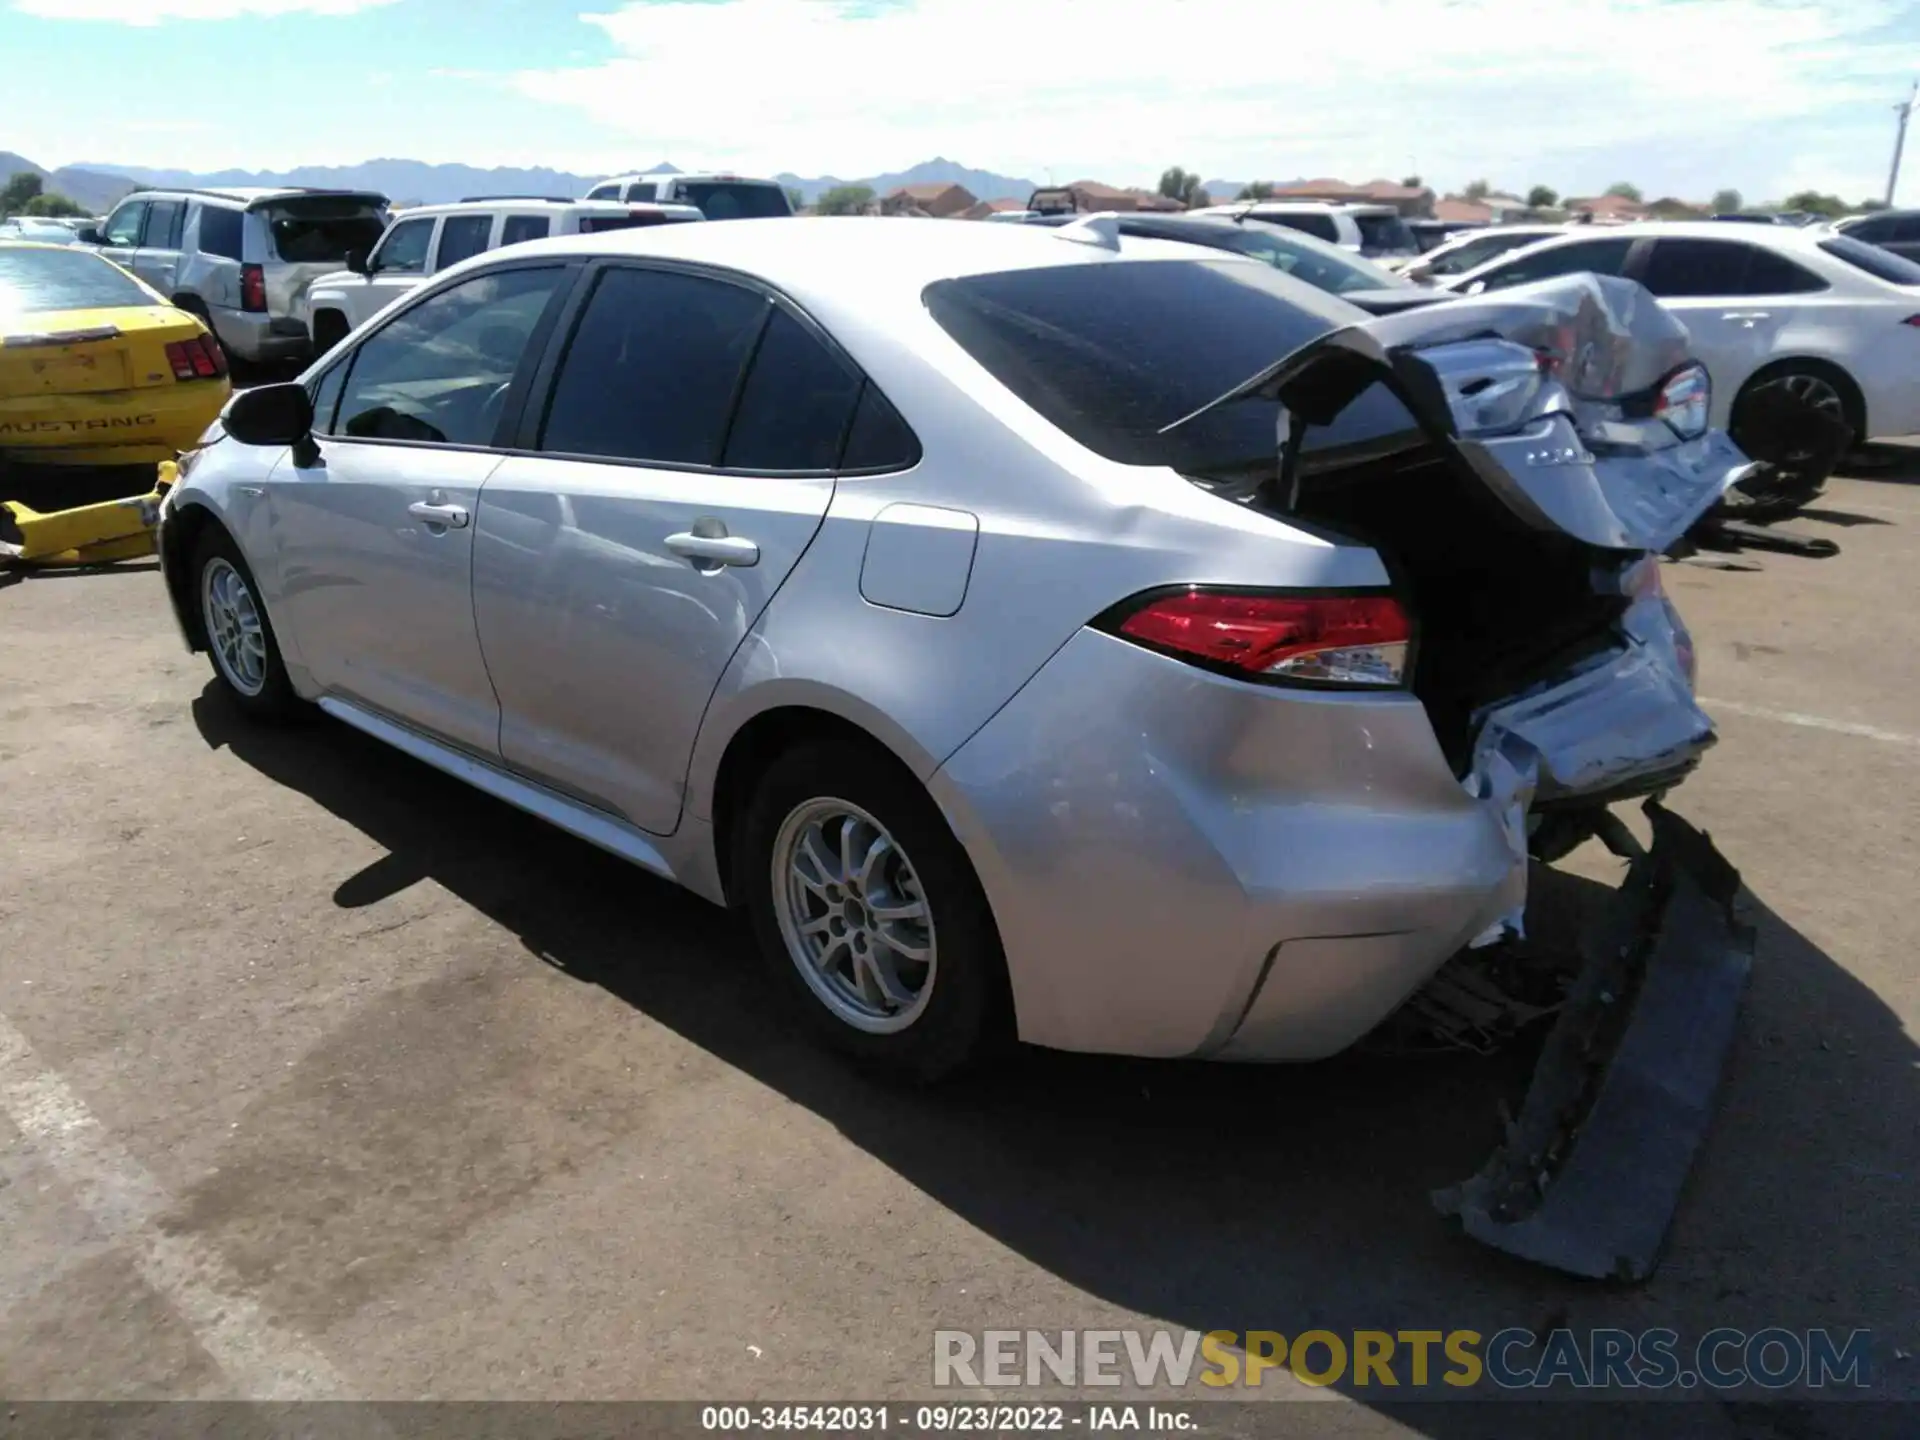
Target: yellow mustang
(95, 368)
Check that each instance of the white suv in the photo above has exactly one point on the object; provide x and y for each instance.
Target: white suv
(427, 239)
(719, 197)
(1375, 231)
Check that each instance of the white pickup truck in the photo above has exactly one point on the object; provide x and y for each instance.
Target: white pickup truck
(428, 238)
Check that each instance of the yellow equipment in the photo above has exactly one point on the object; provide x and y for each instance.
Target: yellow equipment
(88, 534)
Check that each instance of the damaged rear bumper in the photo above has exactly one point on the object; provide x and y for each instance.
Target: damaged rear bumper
(1590, 1173)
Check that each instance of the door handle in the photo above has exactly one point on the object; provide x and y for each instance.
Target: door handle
(450, 517)
(1747, 315)
(722, 549)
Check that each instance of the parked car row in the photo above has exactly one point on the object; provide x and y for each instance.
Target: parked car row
(990, 612)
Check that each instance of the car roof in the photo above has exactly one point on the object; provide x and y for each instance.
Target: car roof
(535, 203)
(1302, 207)
(853, 263)
(1783, 237)
(684, 175)
(249, 196)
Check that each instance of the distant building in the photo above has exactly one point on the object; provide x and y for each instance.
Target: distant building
(1407, 199)
(1487, 210)
(1606, 209)
(981, 209)
(942, 201)
(1092, 195)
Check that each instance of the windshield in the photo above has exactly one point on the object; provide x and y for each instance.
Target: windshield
(1881, 264)
(323, 231)
(32, 280)
(1325, 267)
(1385, 235)
(1114, 352)
(1482, 248)
(734, 199)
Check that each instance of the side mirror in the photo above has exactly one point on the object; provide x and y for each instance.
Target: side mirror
(270, 415)
(90, 235)
(357, 261)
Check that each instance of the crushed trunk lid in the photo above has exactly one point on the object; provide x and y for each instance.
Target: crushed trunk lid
(1546, 392)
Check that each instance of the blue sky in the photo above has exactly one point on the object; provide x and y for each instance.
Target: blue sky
(1680, 96)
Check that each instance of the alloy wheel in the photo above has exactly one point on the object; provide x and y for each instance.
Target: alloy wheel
(854, 917)
(235, 630)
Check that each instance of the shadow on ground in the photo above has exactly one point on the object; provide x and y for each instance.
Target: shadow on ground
(1898, 464)
(1215, 1197)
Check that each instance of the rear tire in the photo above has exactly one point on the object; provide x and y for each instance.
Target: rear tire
(849, 872)
(1796, 477)
(241, 645)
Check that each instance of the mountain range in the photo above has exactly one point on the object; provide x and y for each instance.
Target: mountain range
(98, 186)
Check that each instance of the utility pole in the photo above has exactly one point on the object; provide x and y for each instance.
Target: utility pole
(1905, 112)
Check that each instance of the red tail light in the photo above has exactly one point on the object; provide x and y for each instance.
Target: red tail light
(197, 359)
(253, 288)
(1913, 320)
(1342, 640)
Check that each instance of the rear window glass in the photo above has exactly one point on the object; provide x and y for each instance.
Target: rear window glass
(594, 224)
(323, 231)
(1325, 267)
(1881, 264)
(33, 280)
(1321, 227)
(732, 200)
(1479, 250)
(1114, 352)
(1385, 233)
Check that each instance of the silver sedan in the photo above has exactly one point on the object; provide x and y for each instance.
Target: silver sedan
(1096, 640)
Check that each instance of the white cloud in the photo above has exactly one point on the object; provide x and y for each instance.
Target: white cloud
(1250, 88)
(158, 12)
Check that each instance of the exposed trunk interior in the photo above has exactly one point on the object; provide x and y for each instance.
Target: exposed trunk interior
(1497, 605)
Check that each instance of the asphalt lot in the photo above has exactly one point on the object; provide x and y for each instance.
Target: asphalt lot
(320, 1074)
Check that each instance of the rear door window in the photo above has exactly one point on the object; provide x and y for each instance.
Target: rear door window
(438, 373)
(653, 367)
(461, 238)
(604, 192)
(404, 250)
(879, 439)
(220, 232)
(796, 405)
(518, 229)
(1321, 227)
(1681, 269)
(162, 230)
(321, 230)
(1601, 257)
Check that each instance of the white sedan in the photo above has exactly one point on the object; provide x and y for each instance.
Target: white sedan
(1836, 320)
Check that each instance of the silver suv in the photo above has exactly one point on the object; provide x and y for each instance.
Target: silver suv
(241, 260)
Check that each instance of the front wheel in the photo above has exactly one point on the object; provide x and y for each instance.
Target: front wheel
(240, 640)
(869, 915)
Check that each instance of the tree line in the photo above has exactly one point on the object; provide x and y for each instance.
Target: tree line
(25, 193)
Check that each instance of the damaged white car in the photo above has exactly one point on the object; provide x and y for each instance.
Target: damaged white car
(1106, 642)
